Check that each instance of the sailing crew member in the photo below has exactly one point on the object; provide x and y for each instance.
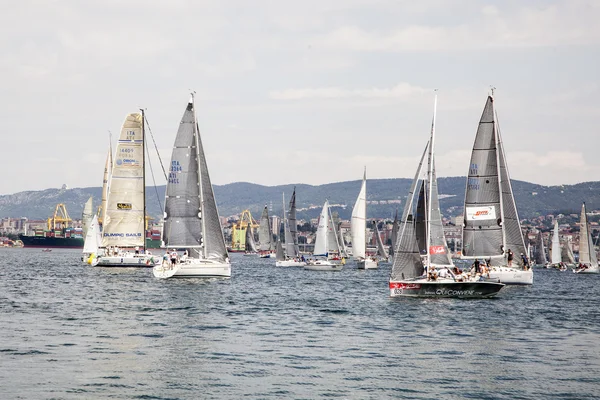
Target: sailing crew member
(174, 257)
(525, 261)
(510, 257)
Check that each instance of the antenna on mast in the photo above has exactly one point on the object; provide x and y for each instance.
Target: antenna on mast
(492, 88)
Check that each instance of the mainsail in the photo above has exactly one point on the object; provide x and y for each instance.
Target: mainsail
(250, 243)
(124, 221)
(291, 230)
(321, 236)
(587, 252)
(265, 238)
(191, 215)
(105, 185)
(540, 258)
(555, 252)
(381, 251)
(358, 221)
(86, 217)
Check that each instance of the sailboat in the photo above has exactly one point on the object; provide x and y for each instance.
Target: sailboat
(491, 225)
(191, 220)
(291, 256)
(358, 229)
(381, 251)
(251, 249)
(323, 243)
(414, 274)
(124, 223)
(588, 259)
(555, 250)
(265, 236)
(540, 257)
(92, 241)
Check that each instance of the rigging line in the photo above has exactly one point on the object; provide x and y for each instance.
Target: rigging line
(154, 182)
(155, 147)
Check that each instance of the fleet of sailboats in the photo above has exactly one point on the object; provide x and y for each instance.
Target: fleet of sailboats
(115, 234)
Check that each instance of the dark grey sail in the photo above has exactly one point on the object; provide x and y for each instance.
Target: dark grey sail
(482, 231)
(407, 261)
(394, 233)
(182, 225)
(265, 238)
(291, 242)
(250, 242)
(279, 255)
(510, 221)
(587, 252)
(540, 257)
(421, 219)
(438, 247)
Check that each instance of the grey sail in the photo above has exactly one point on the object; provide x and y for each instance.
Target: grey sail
(182, 225)
(291, 233)
(264, 231)
(279, 255)
(250, 243)
(438, 247)
(333, 242)
(482, 230)
(407, 261)
(421, 219)
(540, 258)
(587, 253)
(394, 233)
(566, 250)
(381, 251)
(191, 215)
(510, 221)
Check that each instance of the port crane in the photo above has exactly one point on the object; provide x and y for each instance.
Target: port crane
(60, 219)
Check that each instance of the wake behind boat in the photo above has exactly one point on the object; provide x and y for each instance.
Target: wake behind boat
(421, 229)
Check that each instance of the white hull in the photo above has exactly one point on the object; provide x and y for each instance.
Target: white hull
(270, 255)
(366, 264)
(290, 263)
(589, 270)
(511, 276)
(193, 268)
(130, 260)
(324, 266)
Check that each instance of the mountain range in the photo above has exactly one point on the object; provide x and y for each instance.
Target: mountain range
(384, 197)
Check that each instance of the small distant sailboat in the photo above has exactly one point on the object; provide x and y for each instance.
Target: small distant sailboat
(323, 244)
(265, 235)
(191, 217)
(491, 224)
(540, 256)
(358, 229)
(92, 242)
(381, 251)
(555, 250)
(291, 255)
(421, 228)
(251, 249)
(588, 259)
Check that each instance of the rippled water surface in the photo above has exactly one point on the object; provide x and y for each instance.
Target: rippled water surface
(70, 331)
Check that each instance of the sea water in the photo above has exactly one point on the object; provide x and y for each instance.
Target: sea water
(71, 331)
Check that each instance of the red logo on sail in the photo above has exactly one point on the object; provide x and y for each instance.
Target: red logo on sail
(481, 213)
(437, 250)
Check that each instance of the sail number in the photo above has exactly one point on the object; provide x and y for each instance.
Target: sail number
(473, 184)
(473, 169)
(175, 167)
(130, 135)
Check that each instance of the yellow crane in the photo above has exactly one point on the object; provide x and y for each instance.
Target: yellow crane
(238, 231)
(60, 219)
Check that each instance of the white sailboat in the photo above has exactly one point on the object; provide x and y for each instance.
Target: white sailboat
(191, 220)
(291, 256)
(414, 274)
(491, 224)
(323, 246)
(588, 259)
(92, 242)
(123, 226)
(265, 236)
(555, 250)
(358, 229)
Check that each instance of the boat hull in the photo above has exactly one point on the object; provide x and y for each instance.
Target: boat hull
(589, 270)
(324, 266)
(450, 289)
(52, 242)
(511, 276)
(193, 268)
(134, 261)
(290, 263)
(366, 264)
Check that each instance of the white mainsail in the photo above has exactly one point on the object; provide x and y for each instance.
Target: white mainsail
(88, 213)
(321, 236)
(555, 251)
(105, 185)
(358, 222)
(124, 223)
(92, 238)
(587, 252)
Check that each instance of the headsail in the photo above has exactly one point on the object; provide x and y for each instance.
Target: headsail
(250, 243)
(86, 217)
(125, 220)
(358, 221)
(105, 185)
(555, 251)
(92, 237)
(587, 252)
(291, 233)
(381, 251)
(321, 237)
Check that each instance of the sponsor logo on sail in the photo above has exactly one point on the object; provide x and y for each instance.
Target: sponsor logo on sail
(401, 285)
(437, 250)
(124, 206)
(481, 213)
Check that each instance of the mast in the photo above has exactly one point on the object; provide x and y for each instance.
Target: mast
(430, 186)
(202, 221)
(497, 144)
(144, 178)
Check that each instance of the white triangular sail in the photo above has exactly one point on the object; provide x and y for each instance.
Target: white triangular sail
(587, 252)
(105, 185)
(358, 222)
(88, 213)
(92, 237)
(555, 256)
(322, 234)
(125, 211)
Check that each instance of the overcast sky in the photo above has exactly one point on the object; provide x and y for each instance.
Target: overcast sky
(299, 92)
